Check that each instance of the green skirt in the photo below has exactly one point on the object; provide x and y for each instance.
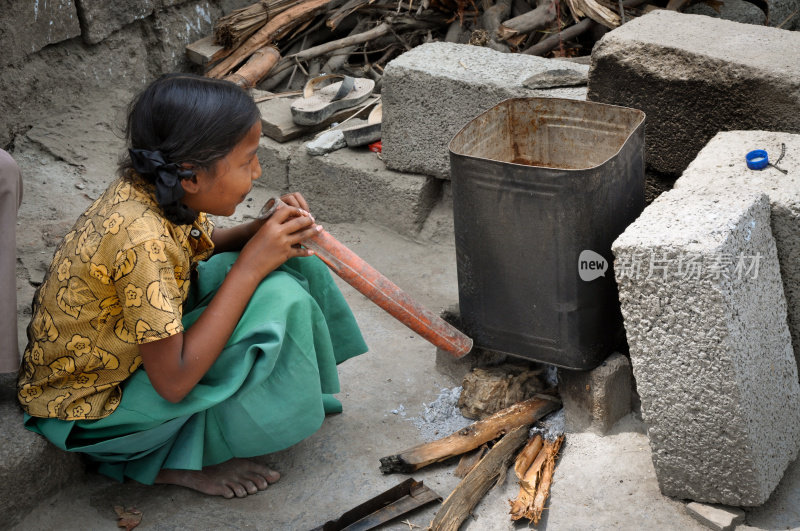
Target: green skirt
(270, 388)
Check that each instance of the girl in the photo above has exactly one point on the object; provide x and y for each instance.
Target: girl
(156, 352)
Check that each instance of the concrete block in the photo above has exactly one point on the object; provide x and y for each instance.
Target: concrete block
(716, 517)
(27, 27)
(720, 168)
(695, 76)
(595, 400)
(432, 91)
(709, 344)
(274, 158)
(30, 467)
(354, 186)
(99, 18)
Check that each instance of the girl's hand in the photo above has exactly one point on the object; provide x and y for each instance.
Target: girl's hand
(278, 239)
(295, 199)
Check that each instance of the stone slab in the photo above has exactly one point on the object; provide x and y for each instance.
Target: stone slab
(735, 10)
(203, 52)
(595, 400)
(709, 345)
(354, 185)
(100, 18)
(695, 76)
(432, 91)
(720, 168)
(27, 27)
(716, 517)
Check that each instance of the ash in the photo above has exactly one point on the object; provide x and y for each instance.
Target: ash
(441, 417)
(550, 427)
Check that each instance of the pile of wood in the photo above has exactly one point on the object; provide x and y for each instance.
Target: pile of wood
(279, 44)
(482, 467)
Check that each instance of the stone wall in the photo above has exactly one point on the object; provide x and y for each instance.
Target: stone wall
(54, 52)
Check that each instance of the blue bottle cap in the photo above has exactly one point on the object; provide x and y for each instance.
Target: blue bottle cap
(757, 159)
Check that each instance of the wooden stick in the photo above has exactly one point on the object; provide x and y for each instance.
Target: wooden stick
(530, 21)
(543, 489)
(535, 484)
(527, 455)
(544, 46)
(521, 414)
(256, 67)
(272, 30)
(490, 471)
(470, 461)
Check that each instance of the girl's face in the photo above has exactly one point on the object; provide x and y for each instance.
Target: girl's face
(221, 189)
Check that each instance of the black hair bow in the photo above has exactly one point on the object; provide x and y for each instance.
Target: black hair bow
(166, 176)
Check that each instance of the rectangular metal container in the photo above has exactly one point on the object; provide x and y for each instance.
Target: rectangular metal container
(536, 182)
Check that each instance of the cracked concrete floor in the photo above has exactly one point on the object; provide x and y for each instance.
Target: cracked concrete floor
(600, 482)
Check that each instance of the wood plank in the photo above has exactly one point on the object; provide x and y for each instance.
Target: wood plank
(204, 51)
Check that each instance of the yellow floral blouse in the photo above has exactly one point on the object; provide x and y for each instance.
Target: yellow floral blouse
(119, 278)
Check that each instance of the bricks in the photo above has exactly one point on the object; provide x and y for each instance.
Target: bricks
(695, 76)
(711, 352)
(27, 27)
(354, 185)
(720, 168)
(595, 400)
(432, 91)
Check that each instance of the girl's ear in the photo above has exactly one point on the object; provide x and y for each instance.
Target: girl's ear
(190, 184)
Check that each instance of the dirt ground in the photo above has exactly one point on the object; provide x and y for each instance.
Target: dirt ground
(600, 482)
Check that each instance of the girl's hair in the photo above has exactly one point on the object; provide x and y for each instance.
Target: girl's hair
(186, 118)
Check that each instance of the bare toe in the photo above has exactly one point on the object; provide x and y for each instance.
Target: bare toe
(239, 489)
(259, 481)
(249, 486)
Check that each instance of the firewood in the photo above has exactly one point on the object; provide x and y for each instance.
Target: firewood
(490, 471)
(527, 455)
(544, 46)
(522, 414)
(535, 485)
(232, 29)
(256, 67)
(539, 18)
(495, 15)
(595, 11)
(470, 461)
(273, 30)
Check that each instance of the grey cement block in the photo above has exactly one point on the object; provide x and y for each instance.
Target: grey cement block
(695, 76)
(709, 344)
(720, 168)
(595, 400)
(274, 158)
(432, 91)
(716, 517)
(27, 27)
(100, 18)
(354, 185)
(30, 467)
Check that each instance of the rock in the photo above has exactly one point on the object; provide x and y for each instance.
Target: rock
(488, 390)
(27, 27)
(325, 143)
(100, 19)
(559, 77)
(735, 10)
(717, 517)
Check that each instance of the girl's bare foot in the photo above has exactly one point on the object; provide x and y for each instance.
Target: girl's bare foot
(237, 477)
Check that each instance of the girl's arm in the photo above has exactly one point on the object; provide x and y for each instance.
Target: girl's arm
(175, 364)
(234, 238)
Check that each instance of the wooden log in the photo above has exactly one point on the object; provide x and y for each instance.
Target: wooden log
(527, 455)
(470, 461)
(490, 470)
(495, 15)
(522, 414)
(532, 20)
(256, 67)
(544, 46)
(271, 31)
